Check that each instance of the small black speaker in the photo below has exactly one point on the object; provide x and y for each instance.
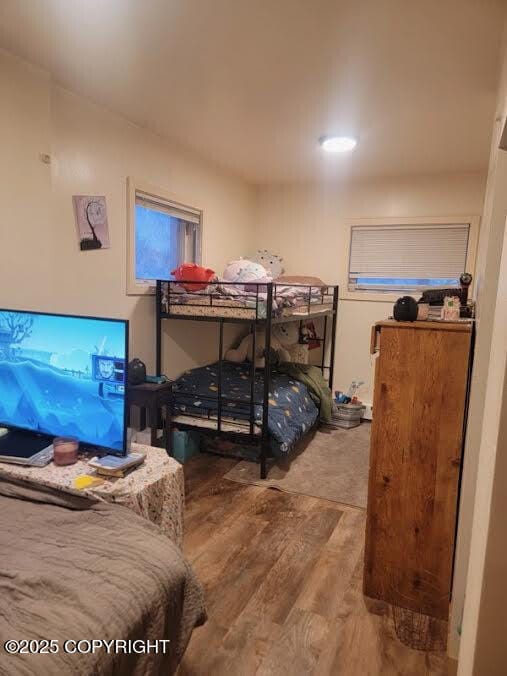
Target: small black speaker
(137, 372)
(405, 309)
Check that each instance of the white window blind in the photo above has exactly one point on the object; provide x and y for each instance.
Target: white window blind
(174, 209)
(407, 257)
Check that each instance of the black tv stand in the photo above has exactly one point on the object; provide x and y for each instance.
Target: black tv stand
(20, 445)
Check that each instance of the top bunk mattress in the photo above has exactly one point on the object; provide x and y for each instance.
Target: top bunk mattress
(216, 302)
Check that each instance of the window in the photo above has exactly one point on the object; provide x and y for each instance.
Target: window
(163, 234)
(407, 257)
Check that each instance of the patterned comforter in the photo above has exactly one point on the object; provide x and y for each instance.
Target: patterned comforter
(292, 411)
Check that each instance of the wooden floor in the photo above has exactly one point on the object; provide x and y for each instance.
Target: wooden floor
(282, 575)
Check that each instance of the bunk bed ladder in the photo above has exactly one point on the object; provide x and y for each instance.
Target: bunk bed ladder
(333, 336)
(267, 378)
(252, 380)
(220, 365)
(158, 327)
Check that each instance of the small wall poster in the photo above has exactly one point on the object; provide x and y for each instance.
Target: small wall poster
(91, 222)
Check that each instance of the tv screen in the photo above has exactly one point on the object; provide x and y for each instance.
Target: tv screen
(64, 375)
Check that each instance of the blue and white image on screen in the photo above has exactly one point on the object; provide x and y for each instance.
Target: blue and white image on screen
(63, 376)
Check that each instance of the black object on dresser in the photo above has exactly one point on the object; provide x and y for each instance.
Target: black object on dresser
(405, 309)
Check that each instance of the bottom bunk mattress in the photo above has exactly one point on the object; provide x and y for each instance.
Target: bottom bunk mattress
(292, 412)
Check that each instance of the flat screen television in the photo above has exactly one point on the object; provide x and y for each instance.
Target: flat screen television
(64, 375)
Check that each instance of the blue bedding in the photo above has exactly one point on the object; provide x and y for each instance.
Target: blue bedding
(292, 411)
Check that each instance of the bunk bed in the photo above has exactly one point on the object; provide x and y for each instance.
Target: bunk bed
(236, 400)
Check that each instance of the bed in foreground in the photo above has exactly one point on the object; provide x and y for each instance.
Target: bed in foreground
(76, 569)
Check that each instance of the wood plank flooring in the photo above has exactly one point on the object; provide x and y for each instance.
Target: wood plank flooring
(282, 575)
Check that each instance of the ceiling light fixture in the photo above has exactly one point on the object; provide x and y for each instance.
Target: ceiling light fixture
(337, 144)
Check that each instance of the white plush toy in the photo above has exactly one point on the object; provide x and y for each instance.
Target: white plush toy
(243, 271)
(284, 337)
(272, 262)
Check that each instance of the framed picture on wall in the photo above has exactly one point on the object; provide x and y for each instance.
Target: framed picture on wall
(91, 221)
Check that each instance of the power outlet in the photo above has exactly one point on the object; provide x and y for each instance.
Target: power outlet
(368, 411)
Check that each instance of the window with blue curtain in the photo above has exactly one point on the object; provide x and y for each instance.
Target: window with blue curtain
(157, 243)
(166, 235)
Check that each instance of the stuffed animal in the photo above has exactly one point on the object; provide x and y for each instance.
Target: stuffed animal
(244, 270)
(272, 262)
(284, 337)
(191, 271)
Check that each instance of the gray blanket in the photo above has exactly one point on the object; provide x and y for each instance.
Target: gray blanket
(72, 568)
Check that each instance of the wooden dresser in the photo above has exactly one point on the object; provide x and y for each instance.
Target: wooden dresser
(421, 384)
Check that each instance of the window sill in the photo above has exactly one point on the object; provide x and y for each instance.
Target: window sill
(380, 297)
(140, 290)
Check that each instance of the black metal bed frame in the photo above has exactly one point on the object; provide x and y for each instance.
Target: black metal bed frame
(260, 298)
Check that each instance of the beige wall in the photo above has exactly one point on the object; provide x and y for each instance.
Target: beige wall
(308, 226)
(486, 591)
(487, 274)
(93, 152)
(490, 654)
(26, 231)
(481, 562)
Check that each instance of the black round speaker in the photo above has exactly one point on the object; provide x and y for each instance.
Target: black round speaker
(136, 372)
(405, 309)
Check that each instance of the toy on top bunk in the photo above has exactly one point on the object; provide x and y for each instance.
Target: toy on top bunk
(271, 262)
(191, 272)
(245, 276)
(284, 340)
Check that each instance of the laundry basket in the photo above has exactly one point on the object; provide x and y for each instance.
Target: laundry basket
(348, 415)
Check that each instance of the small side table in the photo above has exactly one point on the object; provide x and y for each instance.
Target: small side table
(155, 490)
(151, 398)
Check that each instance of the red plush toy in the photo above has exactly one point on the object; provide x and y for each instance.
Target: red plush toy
(189, 272)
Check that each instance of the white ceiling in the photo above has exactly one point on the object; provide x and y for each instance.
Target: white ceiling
(252, 84)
